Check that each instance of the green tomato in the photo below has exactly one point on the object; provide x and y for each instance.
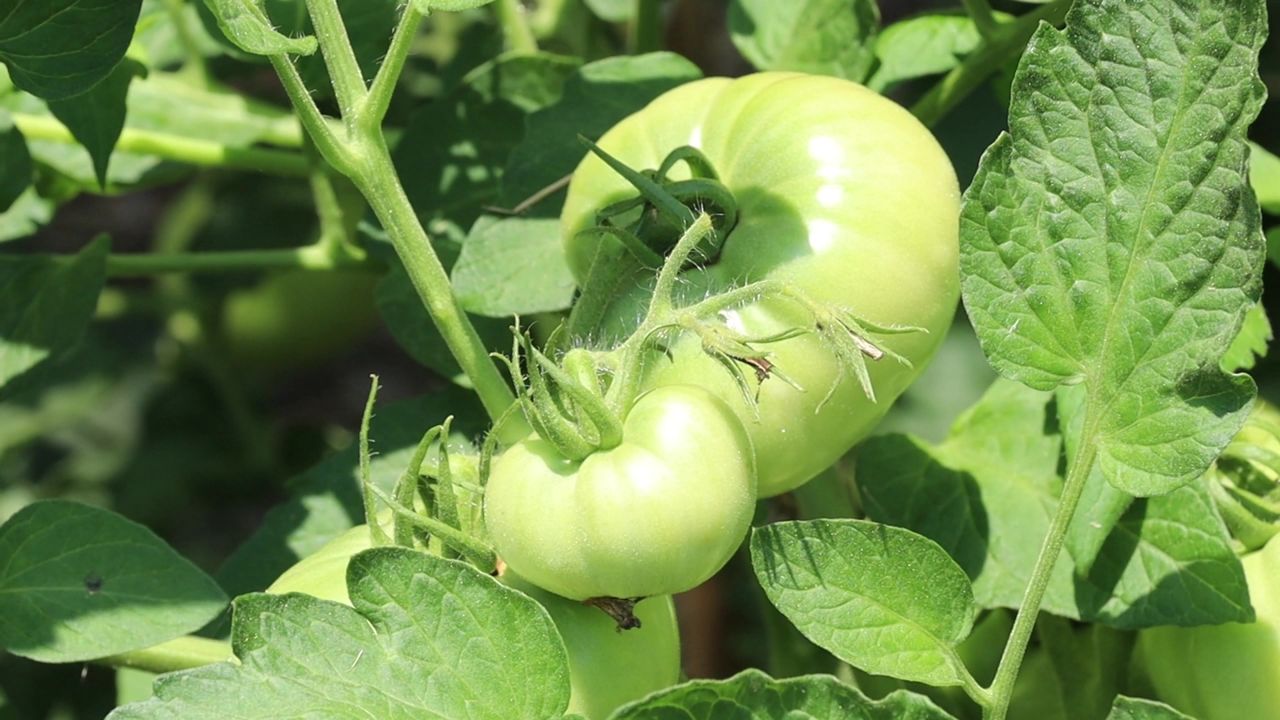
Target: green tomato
(1224, 672)
(843, 195)
(658, 514)
(607, 668)
(294, 319)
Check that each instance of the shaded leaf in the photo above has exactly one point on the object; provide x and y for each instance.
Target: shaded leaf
(1139, 709)
(78, 582)
(96, 116)
(823, 37)
(1264, 175)
(59, 48)
(15, 164)
(928, 44)
(513, 266)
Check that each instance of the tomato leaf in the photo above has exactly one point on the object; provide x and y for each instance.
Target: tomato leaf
(987, 492)
(922, 45)
(59, 48)
(80, 582)
(246, 24)
(96, 116)
(1127, 708)
(1251, 343)
(752, 695)
(513, 266)
(881, 598)
(15, 163)
(45, 304)
(427, 637)
(1110, 238)
(1073, 672)
(823, 37)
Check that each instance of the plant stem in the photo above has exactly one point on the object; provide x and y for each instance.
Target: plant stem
(378, 180)
(646, 27)
(515, 28)
(983, 18)
(384, 83)
(339, 57)
(194, 65)
(1005, 41)
(312, 257)
(1072, 488)
(335, 152)
(193, 151)
(180, 653)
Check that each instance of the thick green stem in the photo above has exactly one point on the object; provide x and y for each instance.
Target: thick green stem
(646, 27)
(335, 152)
(378, 180)
(181, 653)
(192, 151)
(1011, 661)
(384, 83)
(1005, 41)
(515, 27)
(339, 57)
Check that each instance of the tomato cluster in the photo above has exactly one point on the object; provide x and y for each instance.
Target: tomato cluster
(842, 199)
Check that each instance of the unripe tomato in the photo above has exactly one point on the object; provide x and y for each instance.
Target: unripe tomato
(607, 667)
(1224, 672)
(298, 318)
(656, 515)
(842, 194)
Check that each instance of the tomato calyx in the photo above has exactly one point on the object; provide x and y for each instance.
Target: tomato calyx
(622, 610)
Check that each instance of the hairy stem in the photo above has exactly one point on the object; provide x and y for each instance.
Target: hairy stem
(1011, 661)
(180, 653)
(384, 83)
(192, 151)
(1005, 41)
(339, 57)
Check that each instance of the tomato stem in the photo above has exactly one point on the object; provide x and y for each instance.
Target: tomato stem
(1001, 690)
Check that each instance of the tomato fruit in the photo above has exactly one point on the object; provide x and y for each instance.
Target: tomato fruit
(293, 319)
(657, 514)
(607, 668)
(1223, 672)
(843, 195)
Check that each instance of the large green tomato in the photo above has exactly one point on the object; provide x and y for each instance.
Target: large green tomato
(658, 514)
(607, 668)
(842, 194)
(1224, 672)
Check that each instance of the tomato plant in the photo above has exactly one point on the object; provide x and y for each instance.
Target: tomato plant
(515, 326)
(843, 195)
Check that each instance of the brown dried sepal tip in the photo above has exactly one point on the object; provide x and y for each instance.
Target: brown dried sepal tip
(622, 610)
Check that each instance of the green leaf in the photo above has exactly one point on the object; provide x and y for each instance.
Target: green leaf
(986, 495)
(1138, 709)
(15, 163)
(326, 498)
(1251, 342)
(513, 266)
(45, 304)
(595, 98)
(928, 44)
(27, 214)
(59, 48)
(427, 638)
(80, 582)
(96, 117)
(752, 695)
(883, 599)
(1110, 239)
(823, 37)
(246, 24)
(1264, 175)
